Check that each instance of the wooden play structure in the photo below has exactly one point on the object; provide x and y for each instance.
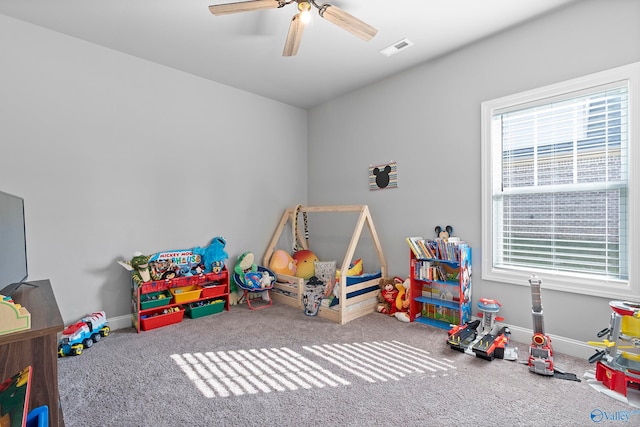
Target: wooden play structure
(357, 294)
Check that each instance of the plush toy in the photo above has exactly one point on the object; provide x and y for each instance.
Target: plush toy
(305, 260)
(355, 269)
(312, 296)
(282, 263)
(266, 280)
(245, 265)
(403, 300)
(387, 297)
(213, 259)
(214, 255)
(140, 264)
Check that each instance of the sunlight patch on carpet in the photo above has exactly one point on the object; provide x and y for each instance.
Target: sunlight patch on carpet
(380, 361)
(227, 373)
(246, 372)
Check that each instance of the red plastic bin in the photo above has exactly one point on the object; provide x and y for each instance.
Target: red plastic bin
(212, 291)
(158, 319)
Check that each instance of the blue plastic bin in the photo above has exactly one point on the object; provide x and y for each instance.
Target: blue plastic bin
(38, 417)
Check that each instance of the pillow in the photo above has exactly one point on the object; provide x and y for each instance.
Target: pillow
(326, 271)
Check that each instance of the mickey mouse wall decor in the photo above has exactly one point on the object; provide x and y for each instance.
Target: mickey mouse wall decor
(383, 176)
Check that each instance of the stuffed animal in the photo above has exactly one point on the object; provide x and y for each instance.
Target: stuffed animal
(245, 265)
(305, 262)
(403, 300)
(214, 255)
(387, 297)
(282, 263)
(355, 269)
(312, 296)
(266, 280)
(140, 264)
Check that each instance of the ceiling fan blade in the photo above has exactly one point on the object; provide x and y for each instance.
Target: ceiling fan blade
(245, 6)
(294, 36)
(348, 22)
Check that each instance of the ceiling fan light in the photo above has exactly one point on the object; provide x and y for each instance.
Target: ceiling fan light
(305, 16)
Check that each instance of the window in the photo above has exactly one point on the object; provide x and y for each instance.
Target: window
(560, 185)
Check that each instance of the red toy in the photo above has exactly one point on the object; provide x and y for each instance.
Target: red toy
(388, 296)
(493, 340)
(617, 371)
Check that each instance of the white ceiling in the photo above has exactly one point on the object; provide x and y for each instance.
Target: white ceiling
(245, 50)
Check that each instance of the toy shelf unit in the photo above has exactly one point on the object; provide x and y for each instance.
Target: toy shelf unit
(164, 302)
(441, 286)
(356, 295)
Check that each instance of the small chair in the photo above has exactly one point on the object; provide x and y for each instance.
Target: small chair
(256, 284)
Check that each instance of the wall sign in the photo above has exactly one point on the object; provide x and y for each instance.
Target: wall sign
(383, 176)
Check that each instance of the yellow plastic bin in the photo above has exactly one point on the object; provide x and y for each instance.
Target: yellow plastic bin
(185, 294)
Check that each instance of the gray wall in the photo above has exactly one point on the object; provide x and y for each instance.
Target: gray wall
(114, 155)
(428, 120)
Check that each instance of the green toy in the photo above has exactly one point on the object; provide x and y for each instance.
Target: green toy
(140, 264)
(245, 264)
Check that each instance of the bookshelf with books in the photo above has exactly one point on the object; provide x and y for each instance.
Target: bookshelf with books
(440, 276)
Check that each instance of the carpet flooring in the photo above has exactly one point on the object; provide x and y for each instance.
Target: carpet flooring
(278, 367)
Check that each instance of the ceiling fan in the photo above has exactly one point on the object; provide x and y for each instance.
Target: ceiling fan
(327, 11)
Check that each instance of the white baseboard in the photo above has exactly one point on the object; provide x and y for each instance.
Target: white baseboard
(120, 322)
(559, 344)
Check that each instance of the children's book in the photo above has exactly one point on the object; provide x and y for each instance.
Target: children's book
(415, 247)
(426, 249)
(14, 399)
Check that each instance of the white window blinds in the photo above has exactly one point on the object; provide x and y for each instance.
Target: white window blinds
(560, 200)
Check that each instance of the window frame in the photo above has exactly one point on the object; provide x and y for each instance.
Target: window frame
(491, 155)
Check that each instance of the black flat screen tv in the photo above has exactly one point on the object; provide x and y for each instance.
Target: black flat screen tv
(13, 243)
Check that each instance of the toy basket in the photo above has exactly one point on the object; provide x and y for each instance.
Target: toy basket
(185, 294)
(204, 308)
(155, 299)
(213, 290)
(161, 318)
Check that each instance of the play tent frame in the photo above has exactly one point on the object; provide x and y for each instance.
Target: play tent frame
(350, 308)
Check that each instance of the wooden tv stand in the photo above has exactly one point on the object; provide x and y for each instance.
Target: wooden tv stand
(36, 347)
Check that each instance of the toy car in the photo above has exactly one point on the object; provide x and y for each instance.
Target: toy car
(83, 334)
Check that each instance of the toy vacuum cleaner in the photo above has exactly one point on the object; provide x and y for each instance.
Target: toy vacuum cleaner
(540, 352)
(617, 372)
